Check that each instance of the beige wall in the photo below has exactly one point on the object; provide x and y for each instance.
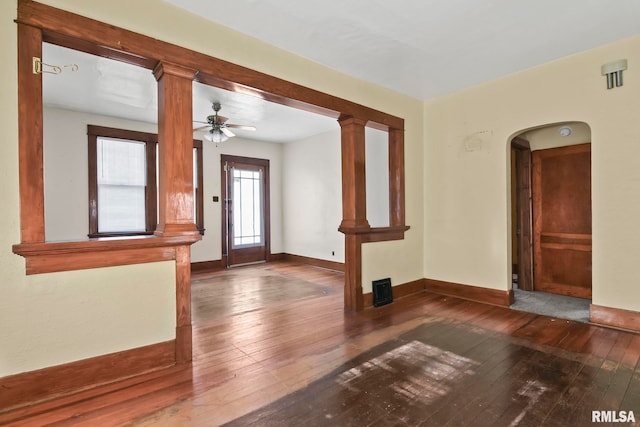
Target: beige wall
(55, 318)
(467, 201)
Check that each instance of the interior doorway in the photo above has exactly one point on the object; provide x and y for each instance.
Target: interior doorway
(245, 225)
(551, 217)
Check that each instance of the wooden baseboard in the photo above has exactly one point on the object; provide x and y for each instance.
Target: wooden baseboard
(209, 266)
(44, 384)
(329, 265)
(275, 257)
(473, 293)
(616, 317)
(398, 291)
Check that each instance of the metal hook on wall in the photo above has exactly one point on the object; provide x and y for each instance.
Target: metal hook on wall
(38, 67)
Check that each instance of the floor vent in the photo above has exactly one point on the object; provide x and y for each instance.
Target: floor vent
(382, 294)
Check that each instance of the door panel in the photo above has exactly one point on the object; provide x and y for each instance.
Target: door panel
(562, 220)
(246, 209)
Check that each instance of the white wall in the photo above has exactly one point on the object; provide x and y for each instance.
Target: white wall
(312, 189)
(377, 177)
(467, 169)
(66, 194)
(66, 187)
(210, 247)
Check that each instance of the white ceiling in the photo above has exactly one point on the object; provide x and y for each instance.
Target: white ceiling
(427, 48)
(116, 89)
(422, 48)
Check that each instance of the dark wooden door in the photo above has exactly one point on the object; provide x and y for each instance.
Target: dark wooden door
(562, 220)
(246, 233)
(523, 222)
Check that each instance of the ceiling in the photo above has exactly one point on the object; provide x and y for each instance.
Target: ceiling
(117, 89)
(424, 49)
(427, 48)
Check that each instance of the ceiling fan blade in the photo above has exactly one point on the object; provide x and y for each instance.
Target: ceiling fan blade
(201, 128)
(241, 127)
(222, 119)
(198, 121)
(227, 132)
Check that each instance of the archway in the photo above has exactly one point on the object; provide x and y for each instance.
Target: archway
(551, 219)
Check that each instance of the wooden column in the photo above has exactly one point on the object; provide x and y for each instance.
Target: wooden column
(175, 195)
(354, 200)
(396, 177)
(354, 207)
(175, 150)
(30, 136)
(183, 305)
(353, 299)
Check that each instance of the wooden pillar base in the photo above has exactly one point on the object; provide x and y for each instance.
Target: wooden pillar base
(353, 299)
(184, 352)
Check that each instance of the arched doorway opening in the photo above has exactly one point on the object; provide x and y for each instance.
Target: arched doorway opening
(551, 220)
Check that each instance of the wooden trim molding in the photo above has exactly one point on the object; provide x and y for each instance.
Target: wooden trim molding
(208, 266)
(43, 384)
(398, 291)
(95, 253)
(616, 317)
(473, 293)
(316, 262)
(30, 125)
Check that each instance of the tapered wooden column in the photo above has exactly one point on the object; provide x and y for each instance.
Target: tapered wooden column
(396, 177)
(354, 207)
(175, 196)
(30, 136)
(354, 199)
(175, 150)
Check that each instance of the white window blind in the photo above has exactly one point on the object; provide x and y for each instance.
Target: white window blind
(121, 185)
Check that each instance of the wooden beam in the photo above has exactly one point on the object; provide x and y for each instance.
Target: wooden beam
(396, 178)
(175, 150)
(30, 147)
(184, 349)
(354, 199)
(353, 299)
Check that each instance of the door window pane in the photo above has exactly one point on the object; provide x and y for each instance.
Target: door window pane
(247, 208)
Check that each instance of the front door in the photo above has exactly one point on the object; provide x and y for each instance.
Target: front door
(561, 194)
(245, 183)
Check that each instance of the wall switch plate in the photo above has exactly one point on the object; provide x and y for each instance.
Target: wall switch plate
(216, 198)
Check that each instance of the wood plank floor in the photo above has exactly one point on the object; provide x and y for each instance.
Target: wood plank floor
(273, 346)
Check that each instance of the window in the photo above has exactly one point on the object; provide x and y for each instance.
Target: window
(247, 210)
(123, 195)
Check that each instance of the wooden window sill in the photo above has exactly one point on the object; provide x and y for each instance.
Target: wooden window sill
(49, 257)
(377, 234)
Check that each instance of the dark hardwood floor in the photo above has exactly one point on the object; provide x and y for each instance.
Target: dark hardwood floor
(273, 346)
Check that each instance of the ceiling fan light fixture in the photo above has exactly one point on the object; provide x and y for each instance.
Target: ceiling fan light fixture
(215, 136)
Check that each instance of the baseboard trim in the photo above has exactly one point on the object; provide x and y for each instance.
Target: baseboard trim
(48, 383)
(316, 262)
(398, 291)
(616, 317)
(209, 266)
(473, 293)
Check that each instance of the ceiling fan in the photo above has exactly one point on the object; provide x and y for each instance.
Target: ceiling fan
(218, 126)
